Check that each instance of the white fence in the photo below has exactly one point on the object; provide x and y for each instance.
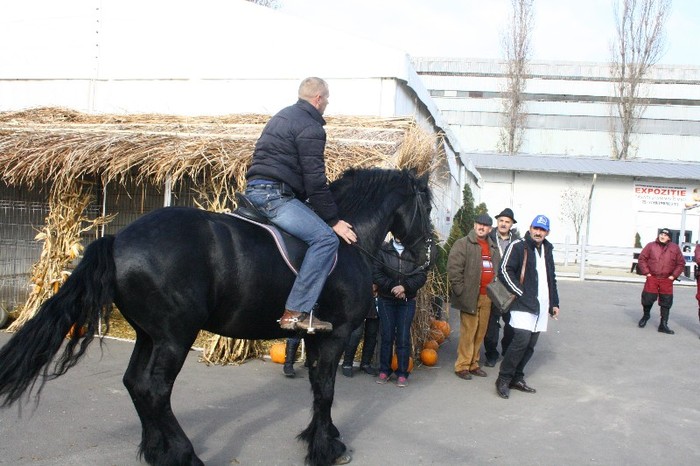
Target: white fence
(589, 260)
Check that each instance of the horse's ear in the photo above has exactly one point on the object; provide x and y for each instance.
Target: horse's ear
(423, 180)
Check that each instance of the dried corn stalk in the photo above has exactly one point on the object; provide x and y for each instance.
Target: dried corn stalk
(427, 308)
(61, 235)
(223, 351)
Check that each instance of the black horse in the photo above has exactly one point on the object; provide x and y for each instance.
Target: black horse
(177, 270)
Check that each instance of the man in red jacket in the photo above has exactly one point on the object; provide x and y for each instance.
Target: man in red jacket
(662, 262)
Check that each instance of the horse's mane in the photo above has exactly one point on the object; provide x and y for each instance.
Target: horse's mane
(359, 187)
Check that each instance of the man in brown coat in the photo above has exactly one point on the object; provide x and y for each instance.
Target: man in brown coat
(662, 262)
(470, 268)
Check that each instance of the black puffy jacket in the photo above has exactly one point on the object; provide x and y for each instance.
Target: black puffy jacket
(397, 270)
(290, 149)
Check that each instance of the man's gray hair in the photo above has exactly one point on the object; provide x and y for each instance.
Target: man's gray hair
(311, 87)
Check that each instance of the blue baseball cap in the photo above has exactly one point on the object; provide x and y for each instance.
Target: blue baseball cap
(541, 221)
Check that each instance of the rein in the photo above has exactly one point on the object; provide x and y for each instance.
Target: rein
(418, 269)
(425, 236)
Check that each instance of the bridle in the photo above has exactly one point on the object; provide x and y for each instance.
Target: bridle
(420, 212)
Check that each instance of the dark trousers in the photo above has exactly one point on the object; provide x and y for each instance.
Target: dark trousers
(493, 332)
(371, 329)
(648, 300)
(518, 355)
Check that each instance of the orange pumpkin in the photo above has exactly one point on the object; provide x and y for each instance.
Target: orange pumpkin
(395, 363)
(437, 335)
(429, 357)
(75, 330)
(441, 325)
(446, 330)
(277, 352)
(431, 344)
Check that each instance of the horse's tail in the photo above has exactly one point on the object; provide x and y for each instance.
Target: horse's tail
(83, 299)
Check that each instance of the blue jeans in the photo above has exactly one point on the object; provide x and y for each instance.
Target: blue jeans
(294, 217)
(395, 318)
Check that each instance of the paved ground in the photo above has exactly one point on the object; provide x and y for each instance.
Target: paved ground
(608, 393)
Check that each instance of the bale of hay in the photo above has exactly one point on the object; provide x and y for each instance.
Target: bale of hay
(59, 147)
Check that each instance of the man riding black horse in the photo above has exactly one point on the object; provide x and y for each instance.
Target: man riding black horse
(288, 167)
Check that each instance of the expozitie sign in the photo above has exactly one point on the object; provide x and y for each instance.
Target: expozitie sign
(656, 197)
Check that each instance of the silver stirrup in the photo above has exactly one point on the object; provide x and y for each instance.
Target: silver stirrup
(311, 330)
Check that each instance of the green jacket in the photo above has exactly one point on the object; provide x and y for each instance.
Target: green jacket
(464, 270)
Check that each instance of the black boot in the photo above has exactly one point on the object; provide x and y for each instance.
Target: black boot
(368, 346)
(348, 360)
(663, 324)
(645, 318)
(289, 356)
(350, 350)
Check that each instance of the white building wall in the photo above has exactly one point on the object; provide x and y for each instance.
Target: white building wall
(615, 212)
(568, 107)
(213, 57)
(206, 58)
(569, 114)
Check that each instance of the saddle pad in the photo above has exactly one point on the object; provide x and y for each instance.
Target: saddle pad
(291, 248)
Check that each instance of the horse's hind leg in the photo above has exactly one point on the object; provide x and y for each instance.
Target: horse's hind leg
(321, 434)
(149, 379)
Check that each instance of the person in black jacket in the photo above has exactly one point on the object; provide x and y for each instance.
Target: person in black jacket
(502, 236)
(288, 170)
(367, 332)
(398, 279)
(536, 298)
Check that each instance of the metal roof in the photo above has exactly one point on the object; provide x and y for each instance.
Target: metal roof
(585, 165)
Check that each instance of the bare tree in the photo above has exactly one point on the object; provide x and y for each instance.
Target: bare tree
(516, 47)
(639, 44)
(574, 207)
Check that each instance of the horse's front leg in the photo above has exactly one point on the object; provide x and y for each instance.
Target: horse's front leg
(321, 434)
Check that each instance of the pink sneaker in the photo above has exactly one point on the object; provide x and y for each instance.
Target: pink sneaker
(402, 382)
(382, 379)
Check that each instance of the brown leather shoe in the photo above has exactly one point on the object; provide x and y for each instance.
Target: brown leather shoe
(295, 320)
(289, 319)
(463, 374)
(311, 324)
(479, 372)
(522, 386)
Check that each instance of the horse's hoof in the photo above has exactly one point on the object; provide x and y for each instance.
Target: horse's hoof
(343, 459)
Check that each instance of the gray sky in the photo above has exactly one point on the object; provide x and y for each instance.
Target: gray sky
(565, 30)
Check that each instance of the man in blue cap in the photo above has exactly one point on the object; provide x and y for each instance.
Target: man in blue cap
(536, 298)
